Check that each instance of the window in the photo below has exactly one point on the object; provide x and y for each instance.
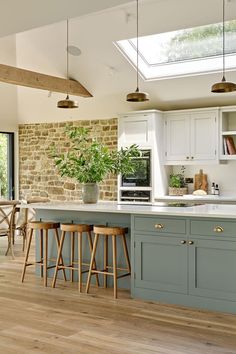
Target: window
(6, 165)
(192, 51)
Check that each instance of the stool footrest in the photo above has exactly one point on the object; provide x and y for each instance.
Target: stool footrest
(123, 275)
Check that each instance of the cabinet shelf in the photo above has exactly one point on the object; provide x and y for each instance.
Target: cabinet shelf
(229, 132)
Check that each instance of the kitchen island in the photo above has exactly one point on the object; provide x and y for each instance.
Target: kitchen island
(180, 255)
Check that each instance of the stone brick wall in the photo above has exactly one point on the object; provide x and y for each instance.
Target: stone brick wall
(38, 176)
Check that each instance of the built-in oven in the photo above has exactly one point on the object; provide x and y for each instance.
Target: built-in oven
(137, 187)
(142, 174)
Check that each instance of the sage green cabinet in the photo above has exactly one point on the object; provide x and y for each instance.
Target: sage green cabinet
(194, 266)
(212, 269)
(160, 263)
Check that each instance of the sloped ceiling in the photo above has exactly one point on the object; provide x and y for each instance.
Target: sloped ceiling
(18, 16)
(103, 70)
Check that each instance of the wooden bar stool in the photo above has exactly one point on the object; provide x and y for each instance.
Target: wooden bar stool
(107, 232)
(73, 230)
(43, 228)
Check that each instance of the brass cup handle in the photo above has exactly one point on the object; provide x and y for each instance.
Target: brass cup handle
(159, 226)
(182, 242)
(190, 242)
(218, 229)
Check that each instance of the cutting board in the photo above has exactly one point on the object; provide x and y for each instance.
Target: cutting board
(200, 181)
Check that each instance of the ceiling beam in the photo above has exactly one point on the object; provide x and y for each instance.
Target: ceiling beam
(22, 77)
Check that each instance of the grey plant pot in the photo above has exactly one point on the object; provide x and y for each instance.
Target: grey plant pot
(90, 193)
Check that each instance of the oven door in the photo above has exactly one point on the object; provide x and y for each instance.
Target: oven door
(142, 174)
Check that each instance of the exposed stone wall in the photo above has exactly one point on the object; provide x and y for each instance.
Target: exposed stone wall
(37, 173)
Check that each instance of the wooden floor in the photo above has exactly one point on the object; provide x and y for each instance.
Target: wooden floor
(34, 319)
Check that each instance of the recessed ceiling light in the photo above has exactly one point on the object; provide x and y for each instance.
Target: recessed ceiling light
(73, 50)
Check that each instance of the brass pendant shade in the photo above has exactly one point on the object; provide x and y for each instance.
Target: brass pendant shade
(137, 96)
(67, 102)
(223, 86)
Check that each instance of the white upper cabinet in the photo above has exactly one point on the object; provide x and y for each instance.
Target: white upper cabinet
(177, 137)
(136, 128)
(191, 137)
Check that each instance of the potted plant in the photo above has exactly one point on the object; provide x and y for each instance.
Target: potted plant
(177, 185)
(89, 161)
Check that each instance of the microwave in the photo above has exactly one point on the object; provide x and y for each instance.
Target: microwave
(142, 174)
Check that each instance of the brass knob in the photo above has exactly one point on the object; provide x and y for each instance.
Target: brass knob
(192, 157)
(182, 242)
(218, 229)
(159, 226)
(190, 242)
(187, 157)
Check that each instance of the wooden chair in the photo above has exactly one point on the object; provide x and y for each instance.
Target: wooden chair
(112, 232)
(7, 213)
(74, 230)
(42, 228)
(24, 216)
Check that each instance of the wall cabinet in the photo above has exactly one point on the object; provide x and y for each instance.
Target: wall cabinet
(191, 137)
(194, 265)
(146, 129)
(136, 128)
(227, 133)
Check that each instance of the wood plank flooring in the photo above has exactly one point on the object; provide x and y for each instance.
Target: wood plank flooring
(34, 319)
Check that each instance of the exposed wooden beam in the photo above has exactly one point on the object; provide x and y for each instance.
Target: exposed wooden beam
(22, 77)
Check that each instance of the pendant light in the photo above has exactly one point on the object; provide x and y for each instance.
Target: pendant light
(137, 96)
(223, 86)
(67, 102)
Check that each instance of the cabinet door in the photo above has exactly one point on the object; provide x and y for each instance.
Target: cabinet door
(136, 130)
(203, 136)
(212, 269)
(177, 137)
(160, 263)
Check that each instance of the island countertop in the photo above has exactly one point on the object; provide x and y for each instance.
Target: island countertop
(205, 210)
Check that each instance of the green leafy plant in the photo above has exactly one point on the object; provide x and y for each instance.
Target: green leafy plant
(177, 180)
(89, 161)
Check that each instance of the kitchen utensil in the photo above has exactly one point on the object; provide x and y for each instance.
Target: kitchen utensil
(200, 181)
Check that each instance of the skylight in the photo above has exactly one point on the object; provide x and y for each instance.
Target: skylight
(186, 52)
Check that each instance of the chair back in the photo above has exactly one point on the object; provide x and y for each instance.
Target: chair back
(7, 215)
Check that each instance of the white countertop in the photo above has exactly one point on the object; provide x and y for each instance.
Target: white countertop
(209, 198)
(206, 210)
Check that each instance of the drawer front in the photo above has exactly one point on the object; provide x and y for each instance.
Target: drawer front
(217, 228)
(160, 225)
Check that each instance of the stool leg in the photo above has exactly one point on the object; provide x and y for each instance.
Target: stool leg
(105, 260)
(61, 258)
(80, 261)
(45, 258)
(114, 265)
(126, 252)
(41, 252)
(27, 254)
(91, 249)
(92, 262)
(58, 258)
(72, 251)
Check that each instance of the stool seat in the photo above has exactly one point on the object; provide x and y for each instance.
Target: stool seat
(41, 225)
(113, 232)
(76, 227)
(42, 228)
(108, 230)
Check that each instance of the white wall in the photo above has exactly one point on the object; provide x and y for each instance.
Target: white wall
(224, 175)
(8, 93)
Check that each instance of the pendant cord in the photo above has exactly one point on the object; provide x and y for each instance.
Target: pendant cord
(137, 48)
(223, 33)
